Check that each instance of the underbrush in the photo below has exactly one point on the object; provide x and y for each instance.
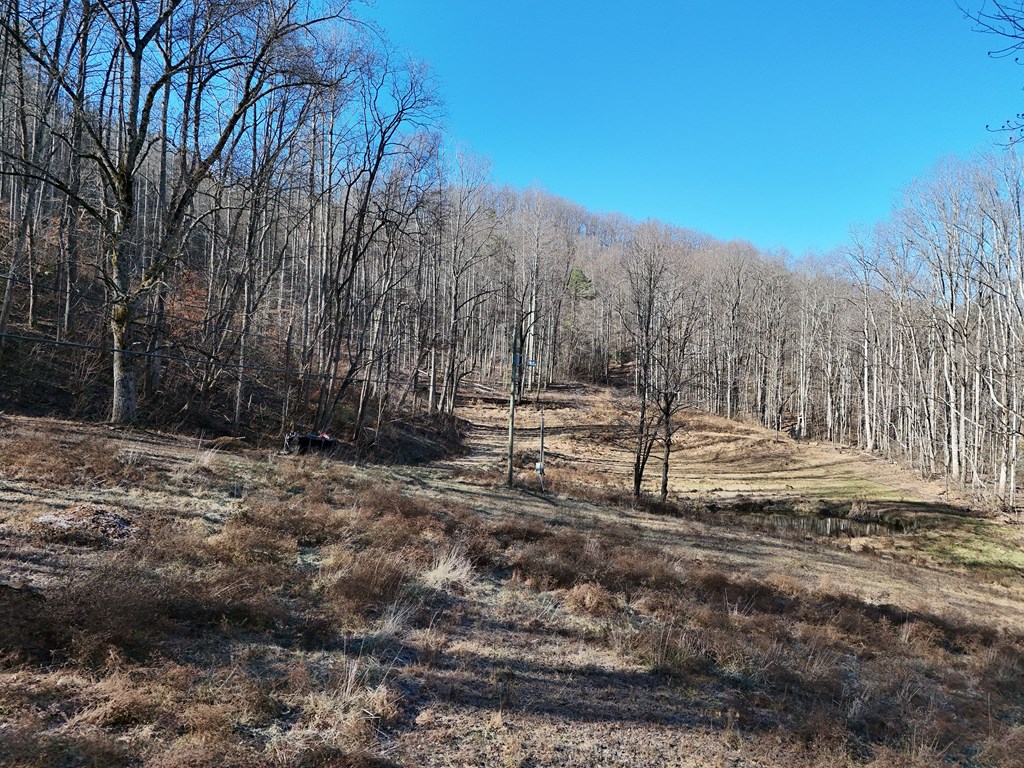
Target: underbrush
(827, 669)
(290, 634)
(870, 681)
(267, 640)
(62, 460)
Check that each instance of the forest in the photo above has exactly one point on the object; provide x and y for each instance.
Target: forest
(247, 216)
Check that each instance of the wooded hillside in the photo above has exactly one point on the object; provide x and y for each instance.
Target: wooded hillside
(247, 215)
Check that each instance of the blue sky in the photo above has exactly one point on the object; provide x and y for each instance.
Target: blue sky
(783, 123)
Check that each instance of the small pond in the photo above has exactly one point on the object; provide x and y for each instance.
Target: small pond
(823, 526)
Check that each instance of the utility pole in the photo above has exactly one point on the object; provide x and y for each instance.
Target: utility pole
(512, 416)
(540, 464)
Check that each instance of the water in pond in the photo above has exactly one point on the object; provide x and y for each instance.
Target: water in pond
(821, 526)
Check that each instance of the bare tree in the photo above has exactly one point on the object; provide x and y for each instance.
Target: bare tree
(647, 270)
(220, 60)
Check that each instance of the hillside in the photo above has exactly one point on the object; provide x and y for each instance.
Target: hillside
(169, 603)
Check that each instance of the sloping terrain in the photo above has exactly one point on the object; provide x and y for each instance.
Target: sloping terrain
(589, 435)
(167, 603)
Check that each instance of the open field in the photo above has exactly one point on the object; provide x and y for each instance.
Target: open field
(588, 432)
(171, 604)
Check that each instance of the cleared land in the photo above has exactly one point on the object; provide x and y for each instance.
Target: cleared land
(170, 604)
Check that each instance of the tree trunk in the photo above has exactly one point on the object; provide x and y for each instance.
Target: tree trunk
(638, 460)
(124, 401)
(667, 401)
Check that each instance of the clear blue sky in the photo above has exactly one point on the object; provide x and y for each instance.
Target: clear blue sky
(782, 123)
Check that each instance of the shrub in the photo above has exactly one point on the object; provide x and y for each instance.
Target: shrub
(592, 599)
(362, 583)
(120, 607)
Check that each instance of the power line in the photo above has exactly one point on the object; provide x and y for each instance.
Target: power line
(161, 355)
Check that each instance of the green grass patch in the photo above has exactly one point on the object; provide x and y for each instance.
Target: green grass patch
(976, 545)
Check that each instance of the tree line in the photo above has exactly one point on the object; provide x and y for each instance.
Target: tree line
(248, 212)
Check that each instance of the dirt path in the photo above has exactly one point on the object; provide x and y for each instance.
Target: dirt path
(588, 434)
(719, 461)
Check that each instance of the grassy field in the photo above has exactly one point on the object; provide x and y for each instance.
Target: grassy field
(166, 603)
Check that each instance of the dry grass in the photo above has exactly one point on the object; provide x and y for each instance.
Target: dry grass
(118, 610)
(324, 613)
(450, 570)
(63, 460)
(830, 669)
(362, 583)
(566, 559)
(592, 599)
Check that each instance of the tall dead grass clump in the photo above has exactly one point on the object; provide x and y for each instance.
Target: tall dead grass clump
(241, 543)
(664, 649)
(197, 471)
(1002, 746)
(632, 569)
(450, 569)
(229, 699)
(556, 562)
(245, 598)
(336, 724)
(385, 499)
(716, 587)
(180, 542)
(63, 460)
(565, 559)
(310, 522)
(593, 600)
(1000, 667)
(362, 583)
(121, 701)
(387, 519)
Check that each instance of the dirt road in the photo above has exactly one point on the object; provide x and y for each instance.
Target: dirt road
(586, 441)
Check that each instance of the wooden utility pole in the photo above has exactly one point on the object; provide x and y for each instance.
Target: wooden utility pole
(512, 417)
(540, 464)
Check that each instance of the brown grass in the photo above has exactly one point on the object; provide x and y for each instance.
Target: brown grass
(73, 460)
(25, 743)
(309, 521)
(242, 543)
(565, 559)
(830, 668)
(592, 599)
(179, 587)
(118, 610)
(304, 624)
(362, 583)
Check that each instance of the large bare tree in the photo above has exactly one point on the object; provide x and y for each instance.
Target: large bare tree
(209, 63)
